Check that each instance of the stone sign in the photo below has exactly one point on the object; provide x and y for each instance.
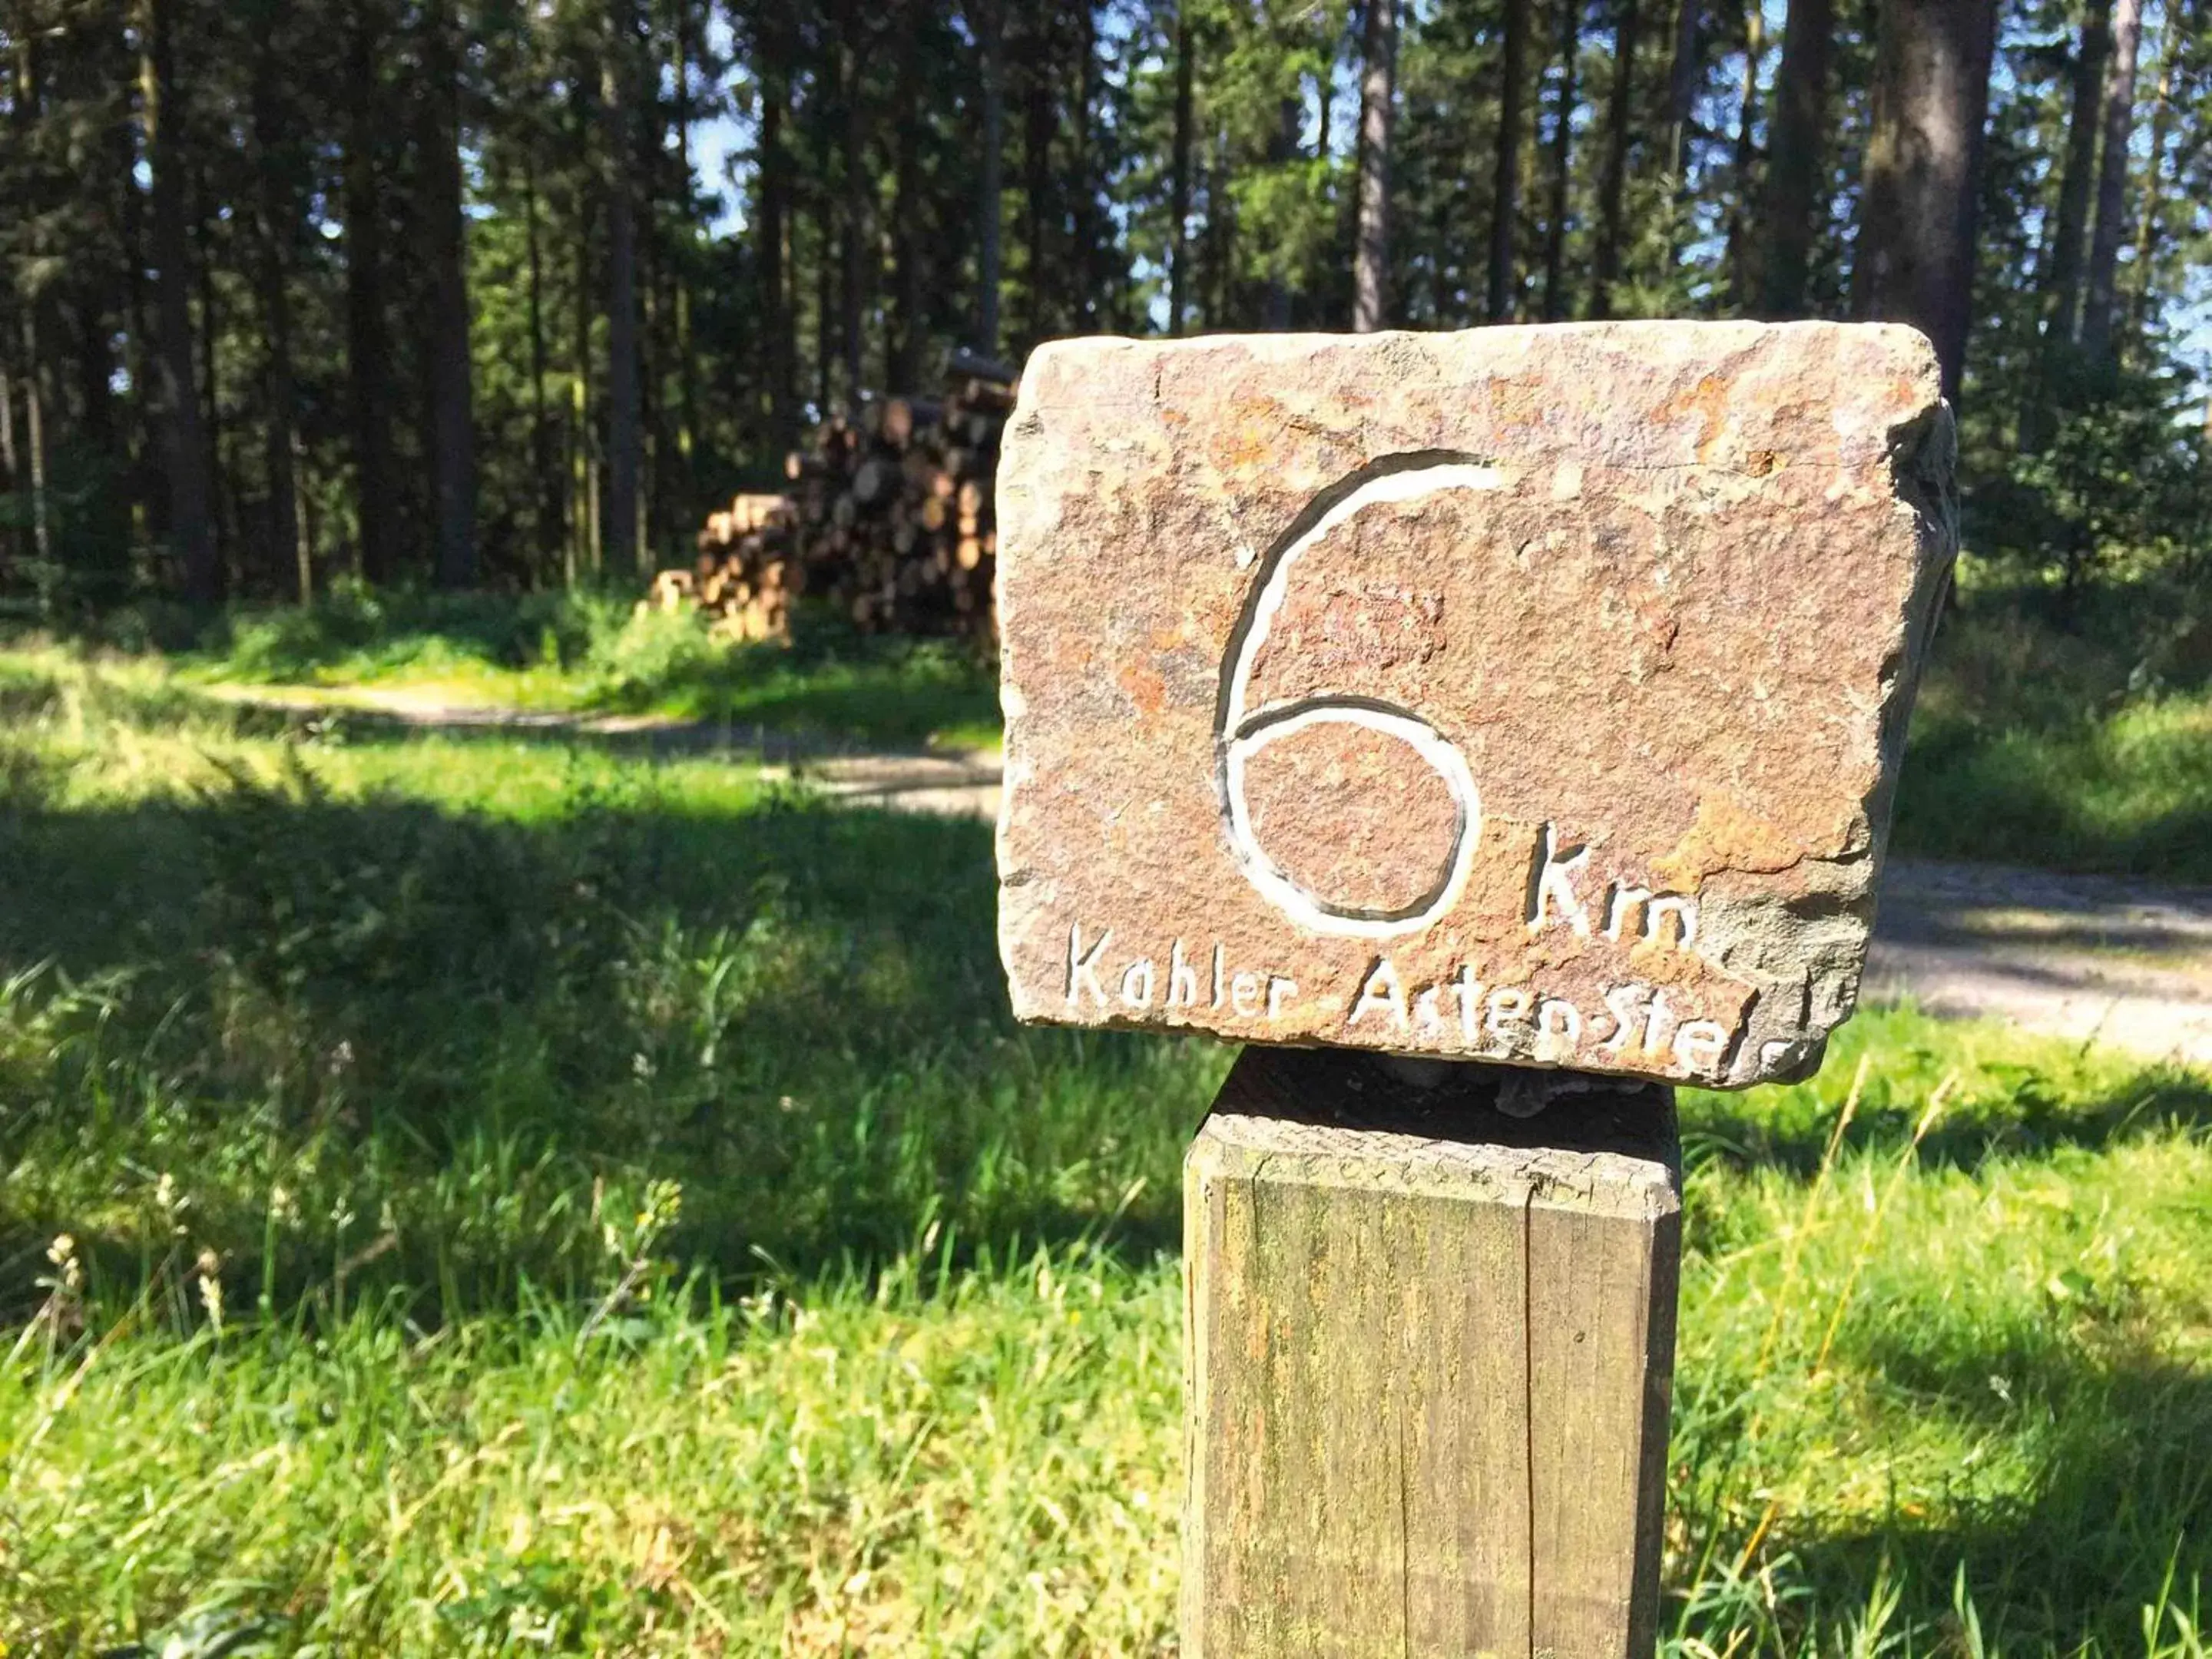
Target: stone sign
(1531, 695)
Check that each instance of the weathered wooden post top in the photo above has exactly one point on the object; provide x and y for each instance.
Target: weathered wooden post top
(1524, 695)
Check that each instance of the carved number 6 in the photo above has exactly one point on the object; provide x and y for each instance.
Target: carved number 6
(1241, 731)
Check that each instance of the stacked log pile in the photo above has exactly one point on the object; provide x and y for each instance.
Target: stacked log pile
(889, 520)
(747, 574)
(898, 506)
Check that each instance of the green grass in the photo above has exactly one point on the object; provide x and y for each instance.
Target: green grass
(521, 1198)
(2081, 741)
(2086, 746)
(585, 654)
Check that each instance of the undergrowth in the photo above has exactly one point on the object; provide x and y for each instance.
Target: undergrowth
(2064, 731)
(581, 651)
(2072, 736)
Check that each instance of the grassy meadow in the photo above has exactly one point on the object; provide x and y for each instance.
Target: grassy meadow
(2068, 734)
(2071, 741)
(585, 654)
(486, 1194)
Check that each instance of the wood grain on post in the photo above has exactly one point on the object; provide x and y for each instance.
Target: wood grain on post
(1428, 1351)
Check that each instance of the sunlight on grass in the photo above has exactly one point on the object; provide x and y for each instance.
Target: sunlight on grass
(2129, 792)
(474, 1195)
(586, 654)
(2086, 747)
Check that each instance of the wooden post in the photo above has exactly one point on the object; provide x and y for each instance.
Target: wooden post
(1429, 1350)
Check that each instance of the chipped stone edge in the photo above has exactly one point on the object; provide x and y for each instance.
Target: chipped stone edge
(1922, 449)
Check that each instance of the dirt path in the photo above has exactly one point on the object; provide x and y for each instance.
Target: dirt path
(2092, 959)
(2097, 960)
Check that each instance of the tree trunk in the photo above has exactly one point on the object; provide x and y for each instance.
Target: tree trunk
(855, 187)
(780, 321)
(2112, 184)
(1685, 70)
(1686, 74)
(1506, 174)
(369, 343)
(23, 116)
(1794, 202)
(1916, 251)
(681, 268)
(222, 497)
(139, 344)
(2148, 226)
(452, 433)
(279, 206)
(1220, 241)
(1179, 174)
(587, 554)
(621, 544)
(551, 529)
(1613, 178)
(10, 465)
(825, 302)
(655, 316)
(35, 447)
(1040, 121)
(2063, 268)
(989, 16)
(1737, 257)
(1377, 89)
(908, 211)
(184, 437)
(1556, 303)
(1083, 209)
(1282, 150)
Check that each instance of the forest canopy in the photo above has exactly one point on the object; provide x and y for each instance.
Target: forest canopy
(295, 294)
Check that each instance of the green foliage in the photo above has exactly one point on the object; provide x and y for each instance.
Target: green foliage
(312, 139)
(2119, 486)
(2066, 730)
(570, 653)
(355, 634)
(805, 1000)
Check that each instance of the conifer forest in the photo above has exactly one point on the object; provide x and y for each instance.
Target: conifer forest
(507, 294)
(514, 1135)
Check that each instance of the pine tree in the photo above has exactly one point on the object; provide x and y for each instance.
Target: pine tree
(452, 430)
(2063, 268)
(620, 539)
(1556, 302)
(184, 441)
(368, 378)
(1506, 174)
(1378, 93)
(1793, 203)
(1612, 190)
(1916, 250)
(1179, 195)
(2119, 102)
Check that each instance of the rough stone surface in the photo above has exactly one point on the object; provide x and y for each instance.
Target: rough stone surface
(1531, 694)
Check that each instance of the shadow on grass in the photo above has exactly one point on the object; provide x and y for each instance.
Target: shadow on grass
(583, 652)
(594, 653)
(875, 691)
(2078, 797)
(452, 1052)
(2116, 1516)
(811, 722)
(2010, 1110)
(348, 628)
